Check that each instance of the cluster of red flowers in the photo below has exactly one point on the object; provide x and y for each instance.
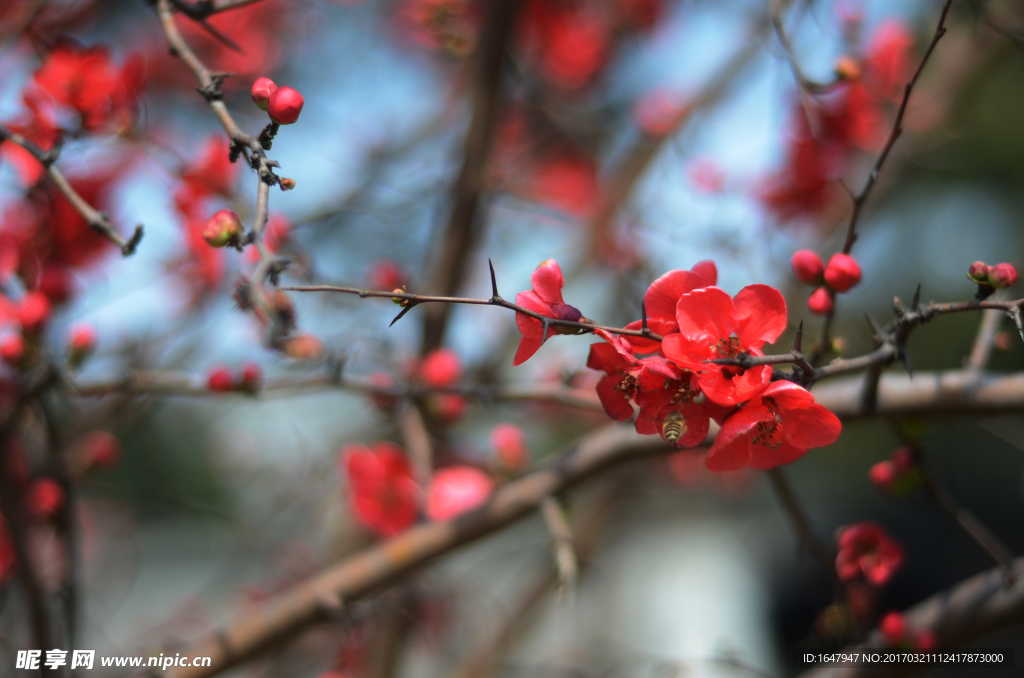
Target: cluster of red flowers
(43, 238)
(386, 499)
(676, 388)
(830, 133)
(867, 552)
(841, 275)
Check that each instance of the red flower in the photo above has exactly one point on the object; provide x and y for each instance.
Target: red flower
(100, 449)
(213, 173)
(775, 428)
(661, 298)
(441, 367)
(386, 275)
(711, 325)
(383, 493)
(545, 298)
(893, 628)
(566, 180)
(509, 443)
(39, 127)
(45, 498)
(87, 80)
(657, 386)
(455, 490)
(865, 550)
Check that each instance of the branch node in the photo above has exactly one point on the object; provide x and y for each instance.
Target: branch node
(128, 248)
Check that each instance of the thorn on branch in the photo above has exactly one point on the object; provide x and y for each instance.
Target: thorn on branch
(879, 333)
(798, 340)
(401, 314)
(545, 328)
(643, 318)
(916, 302)
(1015, 314)
(495, 297)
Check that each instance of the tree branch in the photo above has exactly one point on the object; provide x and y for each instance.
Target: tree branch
(969, 610)
(461, 232)
(97, 221)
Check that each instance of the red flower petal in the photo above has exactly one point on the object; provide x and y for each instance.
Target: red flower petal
(707, 272)
(547, 282)
(614, 401)
(733, 448)
(707, 313)
(738, 389)
(527, 347)
(804, 423)
(661, 297)
(764, 457)
(605, 357)
(761, 315)
(656, 325)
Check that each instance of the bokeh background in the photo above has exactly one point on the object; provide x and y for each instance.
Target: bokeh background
(219, 502)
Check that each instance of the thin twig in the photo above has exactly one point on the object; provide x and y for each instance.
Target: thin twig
(823, 345)
(415, 299)
(463, 224)
(97, 221)
(202, 9)
(981, 350)
(970, 523)
(821, 552)
(563, 544)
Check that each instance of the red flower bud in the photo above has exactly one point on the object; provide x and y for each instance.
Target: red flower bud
(441, 367)
(101, 449)
(455, 490)
(807, 267)
(12, 349)
(224, 228)
(220, 380)
(34, 312)
(978, 272)
(252, 378)
(303, 347)
(1002, 276)
(842, 272)
(883, 476)
(45, 498)
(509, 443)
(847, 68)
(447, 407)
(261, 91)
(820, 301)
(893, 628)
(81, 342)
(285, 105)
